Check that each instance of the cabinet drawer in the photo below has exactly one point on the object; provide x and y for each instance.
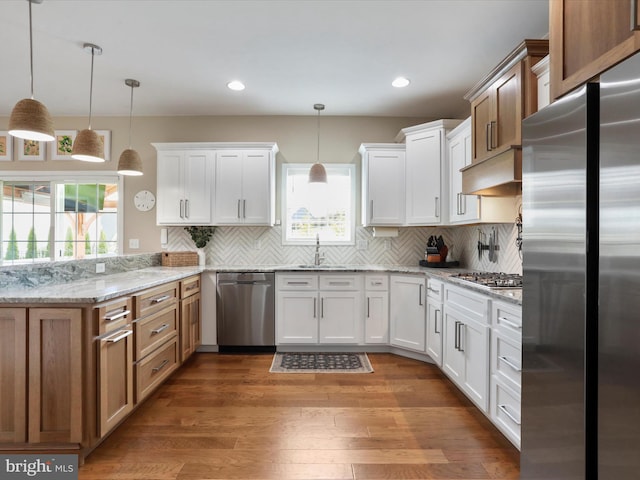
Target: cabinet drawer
(297, 282)
(113, 315)
(505, 410)
(376, 282)
(155, 299)
(154, 330)
(474, 305)
(152, 371)
(507, 319)
(506, 360)
(340, 282)
(435, 289)
(189, 286)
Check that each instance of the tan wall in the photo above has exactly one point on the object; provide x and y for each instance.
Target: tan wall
(340, 138)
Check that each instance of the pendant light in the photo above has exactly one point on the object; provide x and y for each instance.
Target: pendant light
(130, 162)
(88, 146)
(30, 119)
(317, 173)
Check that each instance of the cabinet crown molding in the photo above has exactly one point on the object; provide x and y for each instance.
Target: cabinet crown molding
(527, 47)
(395, 147)
(273, 146)
(446, 123)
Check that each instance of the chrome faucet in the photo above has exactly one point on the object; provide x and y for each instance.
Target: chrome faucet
(317, 258)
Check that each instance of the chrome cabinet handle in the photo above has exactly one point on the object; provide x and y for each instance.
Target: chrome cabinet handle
(160, 299)
(371, 216)
(322, 307)
(456, 336)
(437, 204)
(244, 209)
(509, 362)
(186, 208)
(160, 329)
(297, 283)
(181, 206)
(487, 136)
(509, 414)
(160, 367)
(462, 325)
(420, 294)
(119, 337)
(239, 209)
(368, 306)
(111, 318)
(315, 301)
(433, 290)
(491, 137)
(510, 323)
(463, 204)
(338, 284)
(435, 322)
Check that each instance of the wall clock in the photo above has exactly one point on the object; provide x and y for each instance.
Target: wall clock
(144, 200)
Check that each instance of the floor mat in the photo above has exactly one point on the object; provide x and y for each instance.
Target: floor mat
(294, 362)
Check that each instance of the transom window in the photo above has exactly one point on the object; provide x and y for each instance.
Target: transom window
(312, 208)
(70, 217)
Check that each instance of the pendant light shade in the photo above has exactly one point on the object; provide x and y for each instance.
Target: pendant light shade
(30, 119)
(88, 146)
(317, 172)
(130, 162)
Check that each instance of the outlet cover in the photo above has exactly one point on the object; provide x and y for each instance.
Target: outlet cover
(134, 243)
(362, 245)
(100, 267)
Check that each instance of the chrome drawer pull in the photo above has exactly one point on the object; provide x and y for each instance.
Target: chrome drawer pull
(117, 338)
(509, 414)
(160, 299)
(297, 283)
(433, 290)
(160, 329)
(160, 367)
(510, 323)
(111, 318)
(376, 284)
(510, 363)
(340, 283)
(188, 289)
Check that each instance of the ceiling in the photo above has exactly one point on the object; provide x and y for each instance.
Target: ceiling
(289, 53)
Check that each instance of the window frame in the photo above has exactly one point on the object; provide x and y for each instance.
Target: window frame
(54, 178)
(351, 168)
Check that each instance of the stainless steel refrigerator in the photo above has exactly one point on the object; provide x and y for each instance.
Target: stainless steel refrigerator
(581, 295)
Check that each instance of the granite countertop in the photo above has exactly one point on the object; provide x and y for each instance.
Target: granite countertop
(101, 288)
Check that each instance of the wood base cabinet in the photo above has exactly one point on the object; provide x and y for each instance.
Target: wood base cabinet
(190, 317)
(55, 375)
(13, 375)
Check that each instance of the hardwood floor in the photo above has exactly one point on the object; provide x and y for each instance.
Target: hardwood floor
(227, 417)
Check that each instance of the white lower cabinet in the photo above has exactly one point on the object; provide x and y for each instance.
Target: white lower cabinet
(407, 312)
(319, 309)
(506, 368)
(376, 323)
(435, 325)
(466, 343)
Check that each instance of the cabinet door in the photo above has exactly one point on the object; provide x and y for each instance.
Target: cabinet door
(228, 191)
(424, 200)
(482, 122)
(170, 201)
(190, 326)
(115, 378)
(55, 375)
(407, 306)
(462, 208)
(376, 327)
(384, 192)
(13, 375)
(256, 188)
(474, 342)
(434, 331)
(197, 177)
(508, 110)
(453, 361)
(296, 317)
(340, 317)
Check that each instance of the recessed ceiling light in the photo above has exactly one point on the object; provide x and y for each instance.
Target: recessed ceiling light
(236, 85)
(400, 82)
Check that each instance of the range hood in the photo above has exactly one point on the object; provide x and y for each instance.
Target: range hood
(496, 176)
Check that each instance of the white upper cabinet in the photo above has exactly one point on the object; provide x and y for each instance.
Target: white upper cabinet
(216, 183)
(467, 209)
(383, 184)
(184, 180)
(426, 173)
(245, 187)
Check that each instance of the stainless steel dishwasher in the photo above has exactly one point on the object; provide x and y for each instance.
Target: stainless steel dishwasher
(245, 311)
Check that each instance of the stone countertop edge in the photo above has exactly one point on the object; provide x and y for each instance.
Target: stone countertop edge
(102, 288)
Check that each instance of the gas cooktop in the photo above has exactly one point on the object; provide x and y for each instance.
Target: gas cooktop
(491, 279)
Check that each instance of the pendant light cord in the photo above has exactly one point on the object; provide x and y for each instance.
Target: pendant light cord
(318, 136)
(91, 85)
(31, 49)
(131, 116)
